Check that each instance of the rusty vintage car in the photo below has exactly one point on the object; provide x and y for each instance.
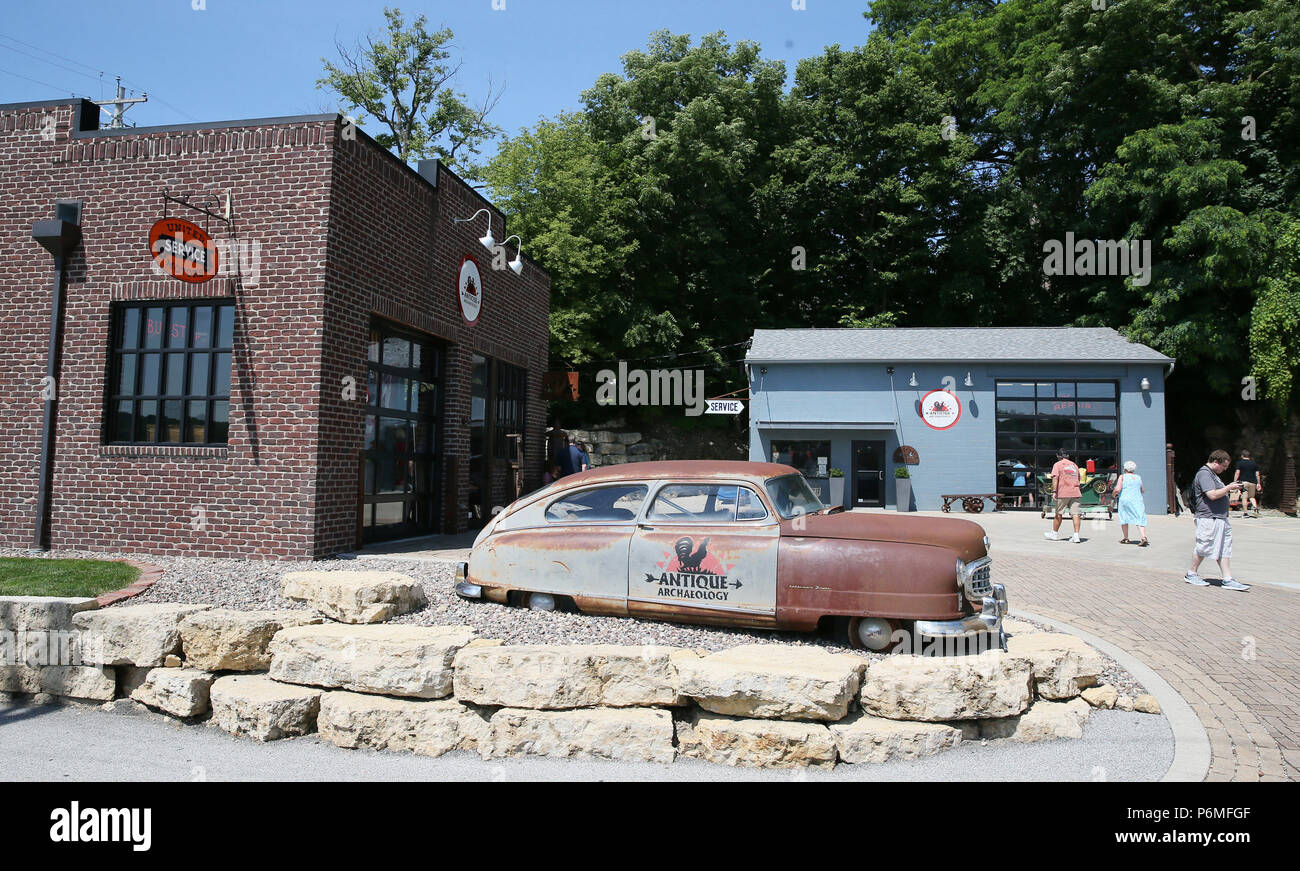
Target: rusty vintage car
(736, 544)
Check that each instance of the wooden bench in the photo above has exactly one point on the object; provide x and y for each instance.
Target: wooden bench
(972, 503)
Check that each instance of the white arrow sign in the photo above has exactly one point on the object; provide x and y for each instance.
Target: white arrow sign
(724, 406)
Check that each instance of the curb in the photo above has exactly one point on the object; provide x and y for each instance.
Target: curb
(1191, 761)
(149, 575)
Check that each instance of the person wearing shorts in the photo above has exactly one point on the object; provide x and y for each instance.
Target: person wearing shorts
(1213, 532)
(1069, 498)
(1252, 482)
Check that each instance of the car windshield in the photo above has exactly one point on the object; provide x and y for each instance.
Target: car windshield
(792, 496)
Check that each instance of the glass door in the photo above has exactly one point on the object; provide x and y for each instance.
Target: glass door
(869, 474)
(403, 406)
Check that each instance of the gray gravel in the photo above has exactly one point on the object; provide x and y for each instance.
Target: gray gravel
(251, 585)
(75, 743)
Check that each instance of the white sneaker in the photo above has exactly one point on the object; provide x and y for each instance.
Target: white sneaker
(1234, 584)
(1074, 539)
(1195, 580)
(1051, 536)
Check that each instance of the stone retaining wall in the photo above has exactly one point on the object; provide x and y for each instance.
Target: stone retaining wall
(430, 690)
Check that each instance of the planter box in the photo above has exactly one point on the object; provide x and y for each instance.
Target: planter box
(903, 494)
(837, 491)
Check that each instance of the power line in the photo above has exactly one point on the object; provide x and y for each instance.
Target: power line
(39, 82)
(99, 78)
(46, 51)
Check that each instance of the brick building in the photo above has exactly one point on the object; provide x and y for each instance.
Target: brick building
(310, 351)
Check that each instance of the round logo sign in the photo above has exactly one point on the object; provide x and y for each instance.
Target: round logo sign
(940, 409)
(470, 289)
(182, 250)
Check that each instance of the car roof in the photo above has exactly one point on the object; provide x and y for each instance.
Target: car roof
(679, 469)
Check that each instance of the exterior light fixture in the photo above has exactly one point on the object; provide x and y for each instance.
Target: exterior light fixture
(517, 264)
(912, 381)
(969, 382)
(487, 241)
(1146, 384)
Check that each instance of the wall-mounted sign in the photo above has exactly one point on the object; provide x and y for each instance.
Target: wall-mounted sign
(940, 409)
(560, 385)
(469, 290)
(183, 250)
(907, 455)
(724, 406)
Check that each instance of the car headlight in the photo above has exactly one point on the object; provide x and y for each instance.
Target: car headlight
(986, 544)
(961, 574)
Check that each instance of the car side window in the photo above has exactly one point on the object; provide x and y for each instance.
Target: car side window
(706, 503)
(617, 502)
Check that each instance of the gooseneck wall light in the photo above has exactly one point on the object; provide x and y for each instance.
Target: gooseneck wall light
(487, 241)
(517, 264)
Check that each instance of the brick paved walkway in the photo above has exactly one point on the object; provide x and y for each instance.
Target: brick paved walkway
(1235, 657)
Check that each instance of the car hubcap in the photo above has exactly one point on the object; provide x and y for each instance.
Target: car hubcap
(541, 602)
(875, 633)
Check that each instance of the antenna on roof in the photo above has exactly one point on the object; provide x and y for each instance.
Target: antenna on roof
(120, 105)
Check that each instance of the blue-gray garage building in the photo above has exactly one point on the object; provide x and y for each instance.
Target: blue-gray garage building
(967, 410)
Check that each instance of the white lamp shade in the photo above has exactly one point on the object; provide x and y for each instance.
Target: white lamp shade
(488, 241)
(517, 265)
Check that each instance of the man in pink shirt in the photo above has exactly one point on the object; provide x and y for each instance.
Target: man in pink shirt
(1065, 485)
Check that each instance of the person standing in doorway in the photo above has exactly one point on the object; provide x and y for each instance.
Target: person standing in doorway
(584, 460)
(564, 458)
(1068, 496)
(1132, 511)
(1252, 483)
(1213, 532)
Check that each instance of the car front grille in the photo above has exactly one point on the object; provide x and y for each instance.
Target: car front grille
(979, 580)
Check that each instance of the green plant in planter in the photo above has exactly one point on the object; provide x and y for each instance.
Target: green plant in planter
(836, 473)
(902, 472)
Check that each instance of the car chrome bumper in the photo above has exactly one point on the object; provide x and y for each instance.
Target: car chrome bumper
(993, 608)
(464, 588)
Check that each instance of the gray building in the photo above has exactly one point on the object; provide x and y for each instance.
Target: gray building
(966, 409)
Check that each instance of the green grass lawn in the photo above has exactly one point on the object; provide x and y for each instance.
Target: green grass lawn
(21, 576)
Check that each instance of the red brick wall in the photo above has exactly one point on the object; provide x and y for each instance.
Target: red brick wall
(396, 253)
(285, 486)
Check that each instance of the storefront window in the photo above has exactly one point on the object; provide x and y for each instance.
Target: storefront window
(811, 458)
(169, 377)
(1036, 419)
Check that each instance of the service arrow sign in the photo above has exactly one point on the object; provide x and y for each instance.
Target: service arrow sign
(724, 406)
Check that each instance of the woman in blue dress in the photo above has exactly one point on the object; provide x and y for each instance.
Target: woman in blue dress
(1132, 512)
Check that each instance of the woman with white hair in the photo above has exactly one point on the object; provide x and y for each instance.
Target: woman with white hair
(1132, 512)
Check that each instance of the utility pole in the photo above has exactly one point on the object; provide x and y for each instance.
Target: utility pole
(120, 105)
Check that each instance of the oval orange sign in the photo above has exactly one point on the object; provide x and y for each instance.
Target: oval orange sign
(183, 250)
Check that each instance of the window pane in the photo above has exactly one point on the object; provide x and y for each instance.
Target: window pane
(1015, 442)
(394, 436)
(130, 337)
(196, 421)
(1015, 406)
(1057, 406)
(1095, 445)
(221, 378)
(121, 425)
(202, 327)
(126, 375)
(199, 374)
(220, 422)
(392, 392)
(397, 352)
(146, 424)
(811, 458)
(1097, 424)
(370, 432)
(1095, 406)
(1065, 390)
(1104, 390)
(1016, 424)
(389, 513)
(149, 364)
(226, 326)
(372, 351)
(180, 328)
(620, 502)
(1015, 390)
(171, 426)
(175, 379)
(153, 328)
(1056, 443)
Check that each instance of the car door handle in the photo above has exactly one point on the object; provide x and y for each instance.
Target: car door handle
(644, 526)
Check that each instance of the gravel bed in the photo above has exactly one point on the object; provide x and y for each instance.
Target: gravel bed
(252, 585)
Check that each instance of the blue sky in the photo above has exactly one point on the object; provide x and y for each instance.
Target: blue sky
(251, 59)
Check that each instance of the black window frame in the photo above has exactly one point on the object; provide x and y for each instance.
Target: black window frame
(511, 398)
(1042, 436)
(119, 350)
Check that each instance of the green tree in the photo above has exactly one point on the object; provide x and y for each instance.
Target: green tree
(404, 80)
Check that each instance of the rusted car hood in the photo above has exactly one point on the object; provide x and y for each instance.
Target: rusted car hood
(963, 537)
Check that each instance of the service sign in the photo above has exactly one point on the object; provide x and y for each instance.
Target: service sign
(940, 409)
(724, 406)
(470, 290)
(183, 250)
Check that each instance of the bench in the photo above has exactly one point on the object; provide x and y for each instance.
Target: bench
(972, 503)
